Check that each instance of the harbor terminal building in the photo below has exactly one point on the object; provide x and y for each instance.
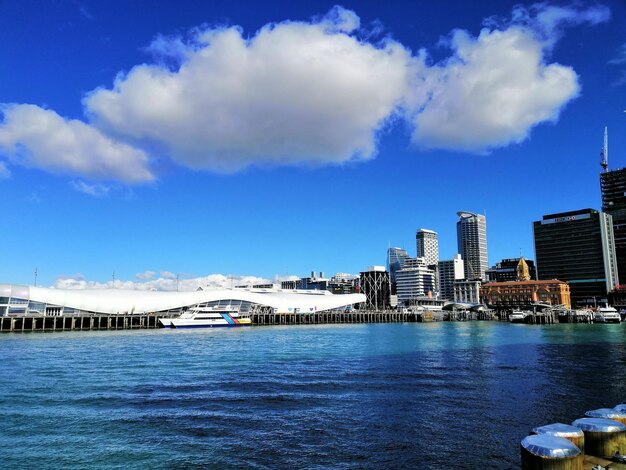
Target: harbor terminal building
(30, 300)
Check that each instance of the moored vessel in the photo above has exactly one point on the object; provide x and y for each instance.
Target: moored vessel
(207, 317)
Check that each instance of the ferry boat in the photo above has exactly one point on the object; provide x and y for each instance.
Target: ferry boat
(607, 315)
(207, 317)
(518, 316)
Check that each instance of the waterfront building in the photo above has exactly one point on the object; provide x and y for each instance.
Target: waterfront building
(578, 247)
(427, 244)
(507, 270)
(314, 282)
(518, 294)
(613, 186)
(376, 285)
(449, 271)
(467, 291)
(30, 300)
(471, 230)
(395, 261)
(414, 280)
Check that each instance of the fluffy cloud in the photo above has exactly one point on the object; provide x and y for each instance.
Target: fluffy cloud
(148, 282)
(96, 190)
(305, 93)
(295, 93)
(4, 171)
(491, 92)
(39, 138)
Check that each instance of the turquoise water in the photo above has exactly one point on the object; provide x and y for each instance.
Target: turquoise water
(439, 395)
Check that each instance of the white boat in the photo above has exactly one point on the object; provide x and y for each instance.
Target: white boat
(518, 316)
(207, 317)
(606, 315)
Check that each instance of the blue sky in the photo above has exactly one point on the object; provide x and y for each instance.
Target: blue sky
(226, 146)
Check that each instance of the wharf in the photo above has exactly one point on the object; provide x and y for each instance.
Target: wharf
(29, 323)
(357, 316)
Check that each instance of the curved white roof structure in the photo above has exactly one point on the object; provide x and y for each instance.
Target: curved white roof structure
(14, 298)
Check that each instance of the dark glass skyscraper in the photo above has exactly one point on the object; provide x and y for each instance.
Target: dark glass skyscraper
(577, 247)
(613, 186)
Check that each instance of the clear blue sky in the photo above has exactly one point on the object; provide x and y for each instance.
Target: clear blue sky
(308, 146)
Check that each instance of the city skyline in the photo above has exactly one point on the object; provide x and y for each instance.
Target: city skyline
(335, 200)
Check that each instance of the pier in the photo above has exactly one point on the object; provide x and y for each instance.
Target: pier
(30, 323)
(356, 316)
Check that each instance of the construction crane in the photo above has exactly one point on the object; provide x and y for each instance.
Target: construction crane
(604, 154)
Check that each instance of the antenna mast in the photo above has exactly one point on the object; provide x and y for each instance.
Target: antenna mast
(604, 155)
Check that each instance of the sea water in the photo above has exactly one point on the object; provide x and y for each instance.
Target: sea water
(438, 395)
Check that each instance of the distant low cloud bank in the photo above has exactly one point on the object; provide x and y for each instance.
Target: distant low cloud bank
(166, 281)
(303, 93)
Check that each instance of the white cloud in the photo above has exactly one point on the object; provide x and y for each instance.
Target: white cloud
(146, 275)
(295, 93)
(39, 138)
(146, 282)
(4, 171)
(96, 190)
(491, 92)
(304, 93)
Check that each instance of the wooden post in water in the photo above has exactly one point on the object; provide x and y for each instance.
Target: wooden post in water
(545, 452)
(603, 437)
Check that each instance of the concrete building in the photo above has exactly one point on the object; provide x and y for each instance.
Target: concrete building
(414, 280)
(578, 247)
(523, 294)
(507, 270)
(448, 272)
(376, 285)
(613, 186)
(467, 291)
(471, 230)
(427, 244)
(30, 300)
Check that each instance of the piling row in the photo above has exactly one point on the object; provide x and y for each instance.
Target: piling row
(359, 316)
(25, 324)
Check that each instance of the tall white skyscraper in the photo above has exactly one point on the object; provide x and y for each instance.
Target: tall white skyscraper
(427, 246)
(471, 232)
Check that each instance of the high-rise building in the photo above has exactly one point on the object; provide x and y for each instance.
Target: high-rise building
(414, 280)
(449, 271)
(578, 247)
(613, 186)
(395, 261)
(427, 246)
(471, 233)
(507, 270)
(375, 285)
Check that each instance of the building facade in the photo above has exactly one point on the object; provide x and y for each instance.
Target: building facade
(467, 291)
(471, 230)
(376, 285)
(448, 272)
(613, 187)
(427, 244)
(578, 247)
(507, 270)
(31, 300)
(520, 294)
(395, 261)
(414, 280)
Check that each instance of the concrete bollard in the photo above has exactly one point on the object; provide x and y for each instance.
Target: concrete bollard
(603, 437)
(573, 434)
(545, 452)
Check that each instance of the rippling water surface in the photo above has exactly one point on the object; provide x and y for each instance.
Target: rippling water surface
(439, 395)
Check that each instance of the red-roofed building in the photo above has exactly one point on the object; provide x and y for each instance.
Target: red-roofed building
(501, 295)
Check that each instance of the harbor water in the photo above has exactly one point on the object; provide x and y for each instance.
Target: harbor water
(424, 395)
